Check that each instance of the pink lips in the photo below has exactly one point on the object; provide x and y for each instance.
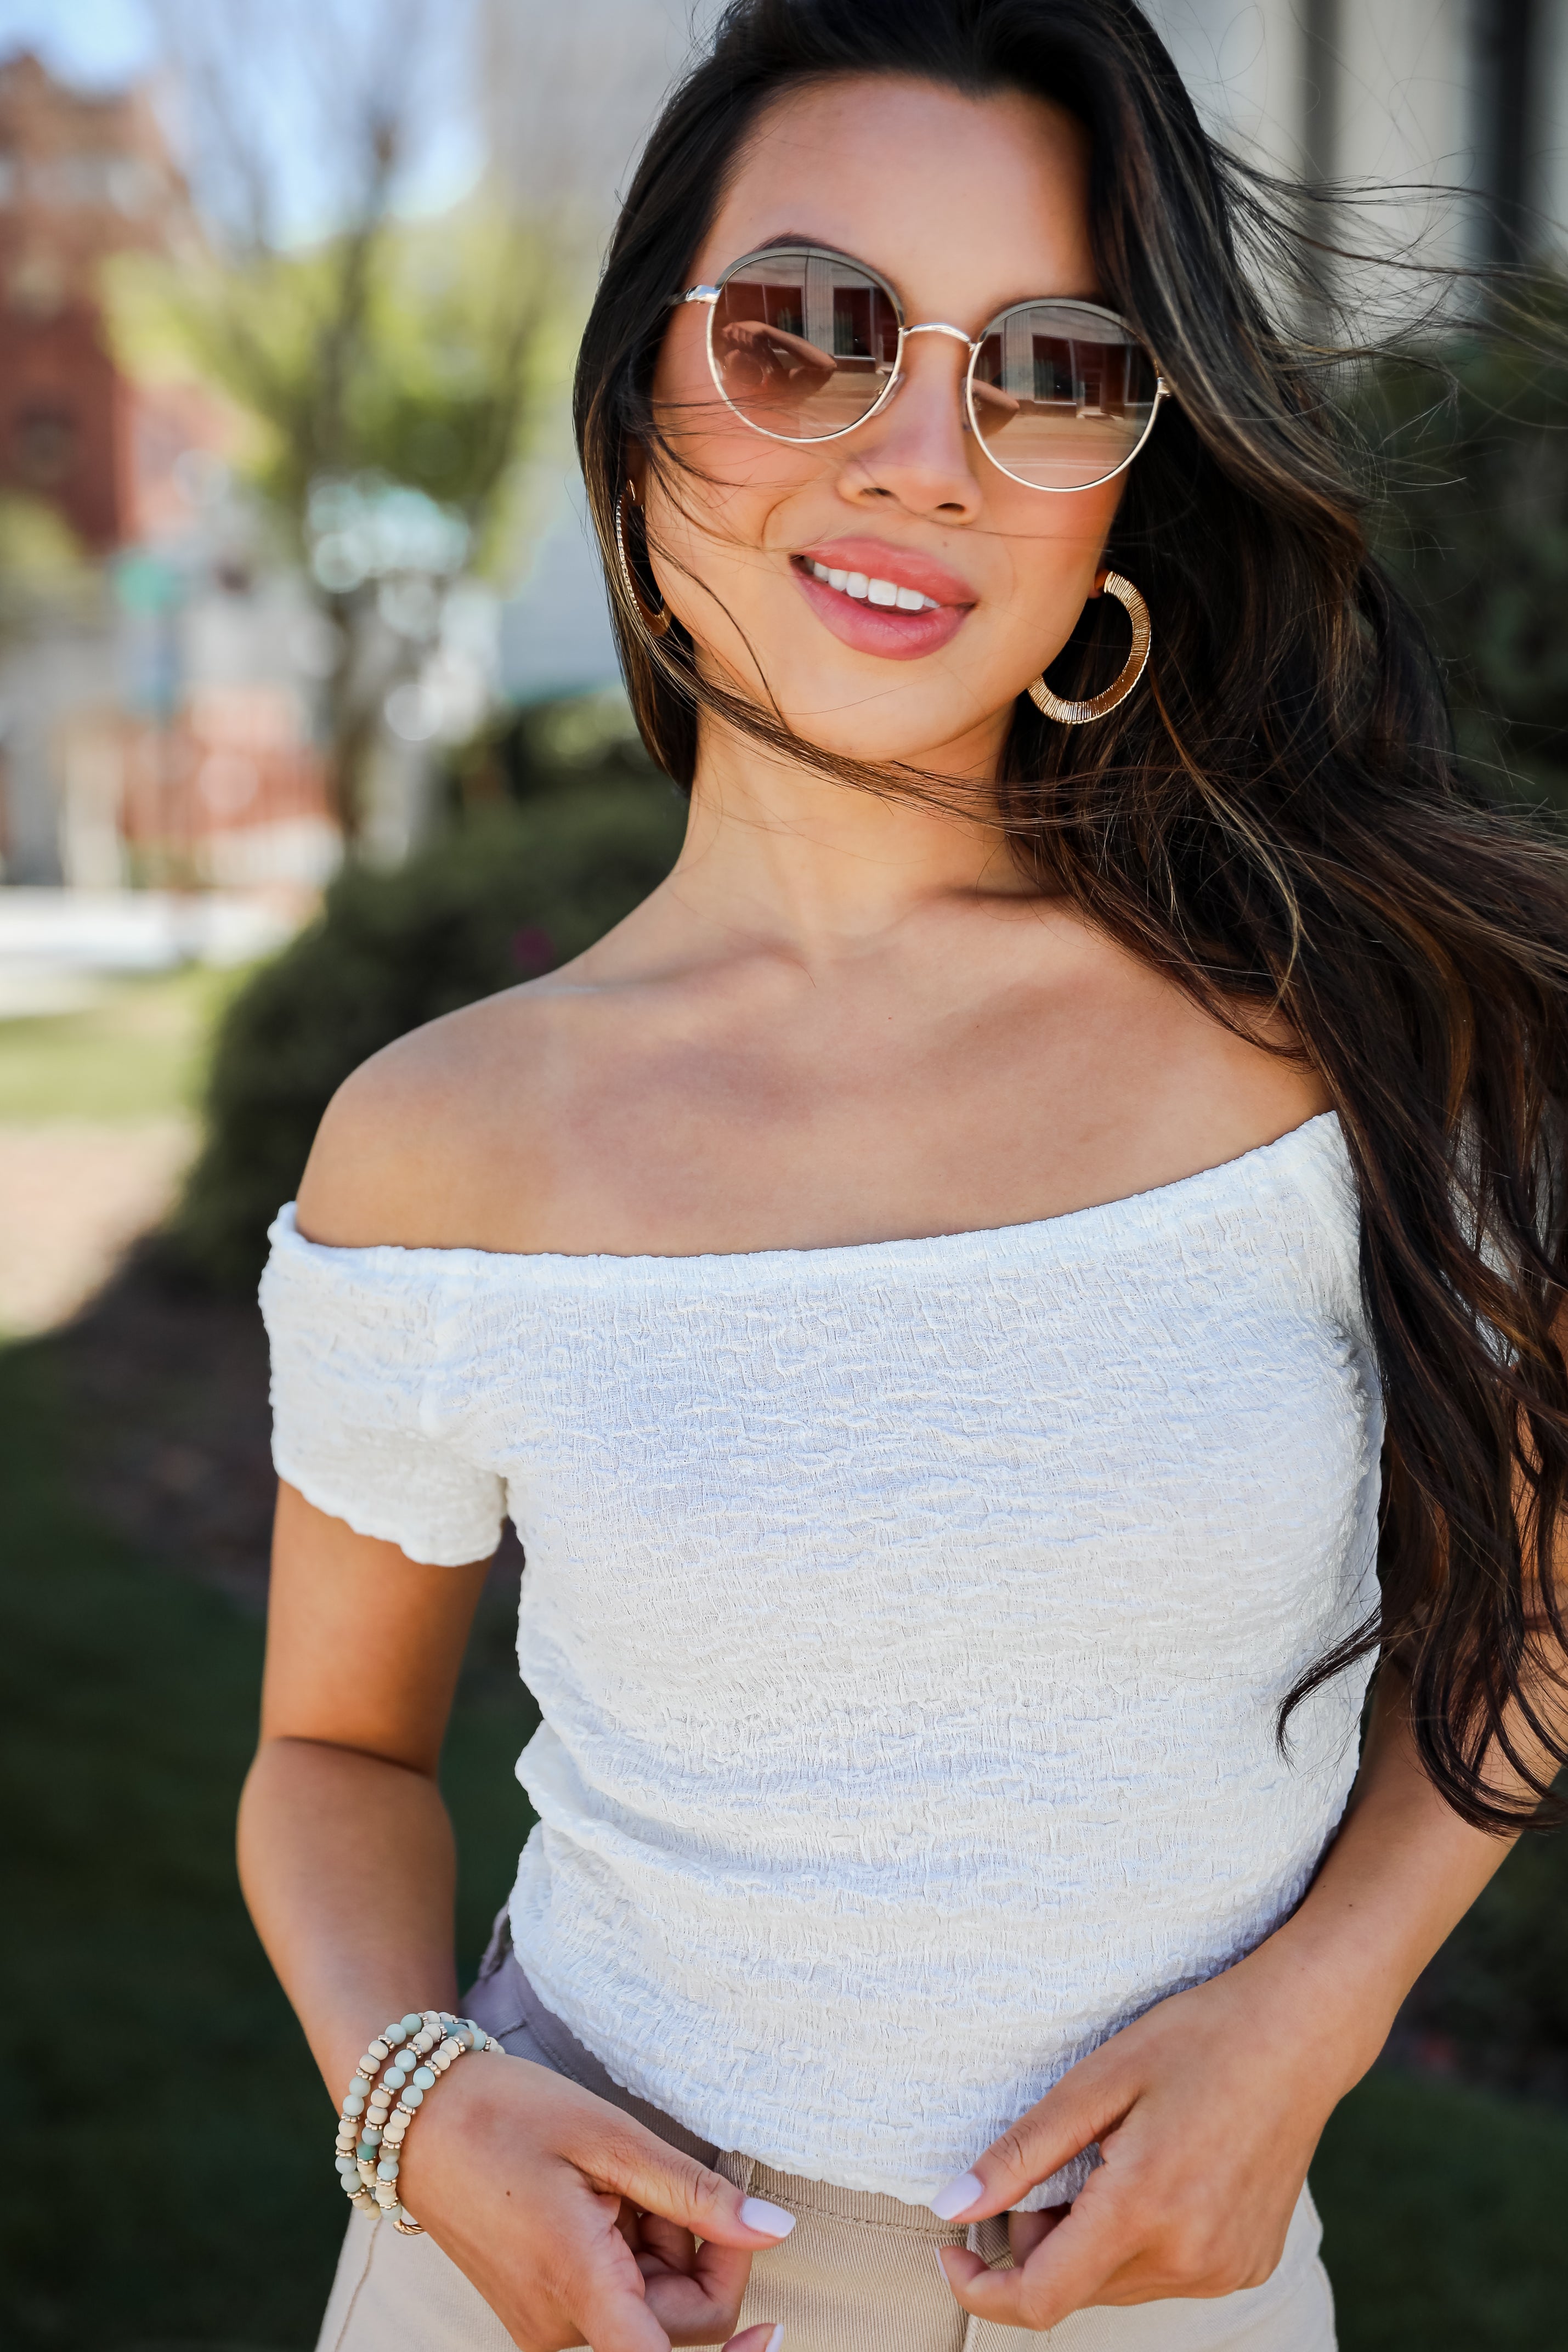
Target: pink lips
(877, 628)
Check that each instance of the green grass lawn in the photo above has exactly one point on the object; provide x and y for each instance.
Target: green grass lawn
(141, 1052)
(167, 2173)
(1445, 2219)
(168, 2183)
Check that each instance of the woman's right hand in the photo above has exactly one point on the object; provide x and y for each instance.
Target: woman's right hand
(576, 2224)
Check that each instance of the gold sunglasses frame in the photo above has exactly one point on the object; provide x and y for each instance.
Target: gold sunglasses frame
(709, 296)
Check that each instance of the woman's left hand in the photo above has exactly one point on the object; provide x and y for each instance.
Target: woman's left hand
(1208, 2112)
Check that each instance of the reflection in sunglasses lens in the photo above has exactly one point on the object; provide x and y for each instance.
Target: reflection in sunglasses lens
(1061, 394)
(803, 344)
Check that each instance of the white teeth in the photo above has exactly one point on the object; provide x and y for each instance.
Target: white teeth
(866, 591)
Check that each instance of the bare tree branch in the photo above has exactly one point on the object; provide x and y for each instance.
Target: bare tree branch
(360, 364)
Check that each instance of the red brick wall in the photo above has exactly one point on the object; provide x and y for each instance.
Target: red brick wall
(62, 433)
(82, 177)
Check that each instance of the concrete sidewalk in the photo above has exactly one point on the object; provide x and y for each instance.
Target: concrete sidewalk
(74, 1194)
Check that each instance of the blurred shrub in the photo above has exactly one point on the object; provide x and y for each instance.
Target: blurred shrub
(1475, 529)
(1493, 2005)
(519, 885)
(549, 748)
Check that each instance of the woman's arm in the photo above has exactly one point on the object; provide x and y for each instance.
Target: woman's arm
(1210, 2109)
(575, 2223)
(345, 1849)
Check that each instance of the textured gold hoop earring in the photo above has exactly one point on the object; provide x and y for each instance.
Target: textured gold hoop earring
(657, 623)
(1078, 714)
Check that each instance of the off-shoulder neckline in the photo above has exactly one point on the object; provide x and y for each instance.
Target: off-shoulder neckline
(1267, 1164)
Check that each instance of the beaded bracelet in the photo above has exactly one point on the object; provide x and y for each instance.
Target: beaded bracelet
(366, 2157)
(353, 2149)
(461, 2036)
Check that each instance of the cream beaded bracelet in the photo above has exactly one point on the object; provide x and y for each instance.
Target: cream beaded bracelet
(359, 2127)
(420, 2047)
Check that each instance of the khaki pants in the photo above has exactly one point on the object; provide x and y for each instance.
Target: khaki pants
(857, 2273)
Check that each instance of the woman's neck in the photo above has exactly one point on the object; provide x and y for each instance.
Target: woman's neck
(823, 868)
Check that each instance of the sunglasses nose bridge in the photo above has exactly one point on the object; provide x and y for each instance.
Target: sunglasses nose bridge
(935, 327)
(951, 333)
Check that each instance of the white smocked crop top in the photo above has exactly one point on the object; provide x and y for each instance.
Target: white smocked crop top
(908, 1621)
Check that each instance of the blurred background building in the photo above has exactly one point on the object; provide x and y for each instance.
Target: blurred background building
(82, 177)
(1468, 96)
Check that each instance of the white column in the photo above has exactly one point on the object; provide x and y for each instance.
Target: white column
(1017, 356)
(818, 297)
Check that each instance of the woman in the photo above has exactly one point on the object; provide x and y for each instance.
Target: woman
(936, 1289)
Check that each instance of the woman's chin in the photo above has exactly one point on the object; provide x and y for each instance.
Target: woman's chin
(943, 741)
(851, 707)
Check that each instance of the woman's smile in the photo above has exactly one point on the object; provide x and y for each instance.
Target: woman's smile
(880, 598)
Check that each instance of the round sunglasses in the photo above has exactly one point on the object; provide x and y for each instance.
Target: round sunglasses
(804, 345)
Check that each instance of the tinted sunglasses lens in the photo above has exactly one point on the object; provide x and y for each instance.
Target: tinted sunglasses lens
(1062, 396)
(802, 343)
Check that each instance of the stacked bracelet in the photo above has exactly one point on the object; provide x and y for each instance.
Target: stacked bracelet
(415, 2052)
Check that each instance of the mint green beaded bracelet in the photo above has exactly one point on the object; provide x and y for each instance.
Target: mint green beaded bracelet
(370, 2131)
(366, 2105)
(461, 2035)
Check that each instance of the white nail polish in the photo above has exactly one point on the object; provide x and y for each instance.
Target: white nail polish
(776, 2339)
(771, 2219)
(957, 2197)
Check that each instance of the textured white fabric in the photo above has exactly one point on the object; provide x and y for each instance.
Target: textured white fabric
(908, 1621)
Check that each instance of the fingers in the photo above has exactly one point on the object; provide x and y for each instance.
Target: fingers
(633, 2281)
(693, 2287)
(696, 2304)
(616, 2321)
(634, 2164)
(764, 2338)
(1085, 2105)
(660, 2245)
(1066, 2270)
(699, 2308)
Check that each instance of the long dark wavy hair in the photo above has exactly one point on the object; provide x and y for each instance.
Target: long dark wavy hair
(1277, 821)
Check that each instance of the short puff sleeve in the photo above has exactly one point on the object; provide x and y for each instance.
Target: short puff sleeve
(362, 1421)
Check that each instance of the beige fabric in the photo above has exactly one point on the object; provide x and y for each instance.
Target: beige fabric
(857, 2273)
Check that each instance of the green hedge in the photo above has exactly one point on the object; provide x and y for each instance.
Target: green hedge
(513, 890)
(1474, 451)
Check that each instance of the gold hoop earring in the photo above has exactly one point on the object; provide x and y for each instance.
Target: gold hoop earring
(657, 623)
(1078, 714)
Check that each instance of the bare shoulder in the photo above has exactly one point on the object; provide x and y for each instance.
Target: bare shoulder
(400, 1137)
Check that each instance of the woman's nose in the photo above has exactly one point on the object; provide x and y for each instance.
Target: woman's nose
(918, 450)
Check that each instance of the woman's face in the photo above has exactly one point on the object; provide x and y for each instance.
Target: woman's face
(964, 205)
